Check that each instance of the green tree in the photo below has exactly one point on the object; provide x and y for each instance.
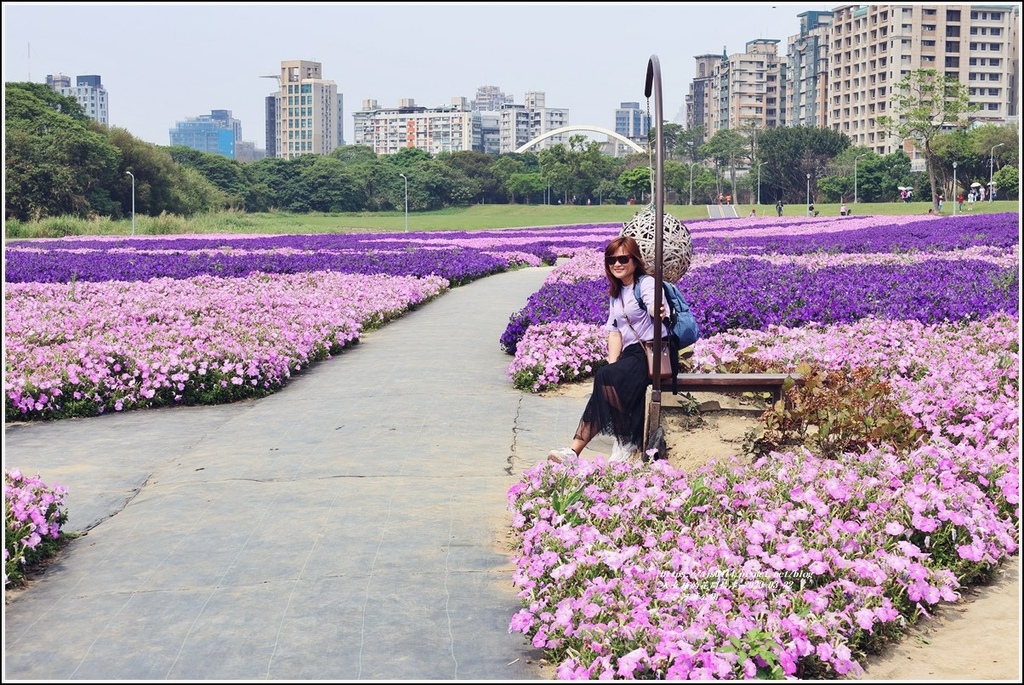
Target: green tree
(792, 152)
(688, 144)
(475, 166)
(676, 176)
(924, 104)
(331, 185)
(57, 161)
(508, 164)
(225, 174)
(1007, 182)
(637, 183)
(353, 154)
(726, 147)
(525, 185)
(674, 133)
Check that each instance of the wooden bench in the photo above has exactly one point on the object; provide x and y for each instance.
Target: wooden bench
(733, 382)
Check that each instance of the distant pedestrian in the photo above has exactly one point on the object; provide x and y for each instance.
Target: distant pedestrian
(960, 202)
(842, 209)
(970, 201)
(753, 213)
(778, 207)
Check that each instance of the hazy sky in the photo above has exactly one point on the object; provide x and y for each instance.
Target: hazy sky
(164, 62)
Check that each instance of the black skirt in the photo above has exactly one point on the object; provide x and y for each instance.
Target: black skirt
(617, 404)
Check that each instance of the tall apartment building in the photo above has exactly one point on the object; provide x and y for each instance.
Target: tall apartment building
(807, 70)
(742, 98)
(456, 127)
(519, 124)
(305, 115)
(698, 111)
(387, 130)
(490, 132)
(839, 70)
(490, 99)
(873, 47)
(88, 91)
(246, 151)
(216, 133)
(632, 122)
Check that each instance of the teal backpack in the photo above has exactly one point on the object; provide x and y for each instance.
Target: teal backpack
(682, 327)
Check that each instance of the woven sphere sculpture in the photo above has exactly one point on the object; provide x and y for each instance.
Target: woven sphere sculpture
(676, 246)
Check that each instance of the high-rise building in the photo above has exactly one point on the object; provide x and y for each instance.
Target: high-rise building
(632, 122)
(742, 92)
(840, 69)
(807, 70)
(698, 111)
(746, 97)
(88, 91)
(246, 151)
(217, 133)
(519, 124)
(490, 99)
(490, 132)
(452, 128)
(873, 47)
(305, 115)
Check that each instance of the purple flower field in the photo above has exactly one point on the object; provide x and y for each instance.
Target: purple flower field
(789, 566)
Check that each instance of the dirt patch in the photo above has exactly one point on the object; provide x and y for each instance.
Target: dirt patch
(713, 429)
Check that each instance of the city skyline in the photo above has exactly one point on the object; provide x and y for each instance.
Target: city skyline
(164, 63)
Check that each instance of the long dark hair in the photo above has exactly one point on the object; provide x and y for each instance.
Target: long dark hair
(629, 244)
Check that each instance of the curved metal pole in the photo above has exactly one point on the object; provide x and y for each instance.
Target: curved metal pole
(133, 200)
(653, 83)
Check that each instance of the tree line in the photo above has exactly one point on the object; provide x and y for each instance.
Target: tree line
(60, 162)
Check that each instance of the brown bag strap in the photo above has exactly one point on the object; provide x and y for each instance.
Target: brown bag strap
(640, 340)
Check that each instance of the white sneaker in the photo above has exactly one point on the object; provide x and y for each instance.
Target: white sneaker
(616, 454)
(622, 452)
(561, 455)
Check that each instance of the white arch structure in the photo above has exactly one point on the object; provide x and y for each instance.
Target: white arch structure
(582, 127)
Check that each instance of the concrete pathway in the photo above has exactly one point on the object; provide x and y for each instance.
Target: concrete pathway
(352, 526)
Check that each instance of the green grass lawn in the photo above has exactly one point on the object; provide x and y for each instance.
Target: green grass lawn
(475, 217)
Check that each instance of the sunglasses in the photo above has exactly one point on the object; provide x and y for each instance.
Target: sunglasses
(621, 259)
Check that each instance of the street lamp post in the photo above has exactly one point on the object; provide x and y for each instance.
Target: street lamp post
(954, 189)
(133, 200)
(406, 201)
(855, 176)
(693, 162)
(808, 194)
(759, 165)
(991, 157)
